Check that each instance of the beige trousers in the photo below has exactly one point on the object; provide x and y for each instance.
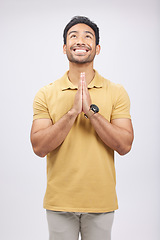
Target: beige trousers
(68, 225)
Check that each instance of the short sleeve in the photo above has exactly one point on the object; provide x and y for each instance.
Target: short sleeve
(121, 107)
(40, 109)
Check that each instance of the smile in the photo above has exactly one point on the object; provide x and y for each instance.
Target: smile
(80, 50)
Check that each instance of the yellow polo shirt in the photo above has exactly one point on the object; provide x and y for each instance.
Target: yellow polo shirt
(81, 172)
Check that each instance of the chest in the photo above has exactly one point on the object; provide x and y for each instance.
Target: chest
(60, 102)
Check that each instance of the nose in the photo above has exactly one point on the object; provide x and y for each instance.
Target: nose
(80, 41)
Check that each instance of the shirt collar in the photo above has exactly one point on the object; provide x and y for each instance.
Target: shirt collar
(67, 84)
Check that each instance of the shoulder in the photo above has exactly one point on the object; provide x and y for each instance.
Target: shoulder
(114, 88)
(107, 83)
(50, 88)
(116, 91)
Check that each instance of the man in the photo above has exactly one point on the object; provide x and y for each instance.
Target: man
(79, 121)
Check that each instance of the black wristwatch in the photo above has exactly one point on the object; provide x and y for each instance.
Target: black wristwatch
(93, 109)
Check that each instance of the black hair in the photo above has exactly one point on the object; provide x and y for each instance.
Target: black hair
(80, 19)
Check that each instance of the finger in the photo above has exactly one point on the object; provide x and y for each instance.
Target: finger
(84, 84)
(80, 85)
(85, 88)
(82, 76)
(80, 82)
(83, 79)
(84, 91)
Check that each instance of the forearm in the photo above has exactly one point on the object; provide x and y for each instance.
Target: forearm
(48, 139)
(115, 137)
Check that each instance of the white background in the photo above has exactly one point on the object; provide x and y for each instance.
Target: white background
(30, 57)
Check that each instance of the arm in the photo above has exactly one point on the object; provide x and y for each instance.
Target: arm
(118, 135)
(45, 136)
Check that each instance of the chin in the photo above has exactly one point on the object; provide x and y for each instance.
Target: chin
(80, 59)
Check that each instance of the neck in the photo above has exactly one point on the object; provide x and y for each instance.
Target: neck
(76, 69)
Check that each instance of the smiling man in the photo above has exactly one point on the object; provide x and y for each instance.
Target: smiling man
(79, 121)
(81, 52)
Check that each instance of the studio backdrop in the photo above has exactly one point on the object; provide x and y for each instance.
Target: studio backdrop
(31, 57)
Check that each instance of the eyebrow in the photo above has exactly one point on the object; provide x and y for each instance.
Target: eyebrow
(77, 32)
(72, 32)
(89, 32)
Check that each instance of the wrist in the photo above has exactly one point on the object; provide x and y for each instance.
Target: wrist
(92, 110)
(89, 114)
(72, 112)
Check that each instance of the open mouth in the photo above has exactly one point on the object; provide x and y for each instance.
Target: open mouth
(80, 50)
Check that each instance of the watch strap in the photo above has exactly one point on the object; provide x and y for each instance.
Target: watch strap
(93, 109)
(89, 114)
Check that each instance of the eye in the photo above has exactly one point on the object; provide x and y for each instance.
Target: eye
(88, 36)
(73, 36)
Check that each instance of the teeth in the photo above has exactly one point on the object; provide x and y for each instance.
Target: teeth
(80, 50)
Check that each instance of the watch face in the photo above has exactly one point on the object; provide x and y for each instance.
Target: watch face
(94, 108)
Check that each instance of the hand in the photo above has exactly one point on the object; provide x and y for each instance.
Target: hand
(77, 106)
(82, 99)
(86, 99)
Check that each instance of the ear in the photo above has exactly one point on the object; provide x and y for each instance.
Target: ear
(64, 48)
(98, 48)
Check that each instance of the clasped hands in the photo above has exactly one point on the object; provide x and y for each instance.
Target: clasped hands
(82, 99)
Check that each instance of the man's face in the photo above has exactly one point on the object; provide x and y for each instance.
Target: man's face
(80, 44)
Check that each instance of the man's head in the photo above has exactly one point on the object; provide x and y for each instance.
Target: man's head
(80, 19)
(81, 40)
